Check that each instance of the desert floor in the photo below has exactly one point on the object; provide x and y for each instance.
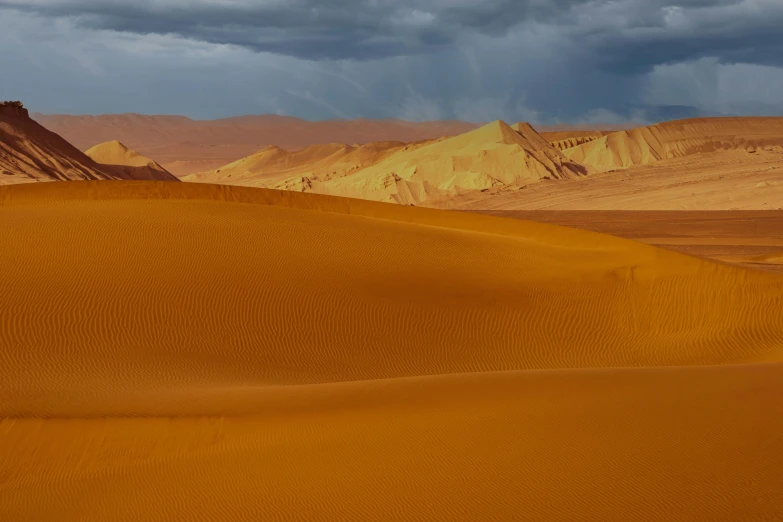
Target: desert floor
(201, 352)
(753, 238)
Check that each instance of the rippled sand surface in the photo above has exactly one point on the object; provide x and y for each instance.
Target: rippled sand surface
(181, 351)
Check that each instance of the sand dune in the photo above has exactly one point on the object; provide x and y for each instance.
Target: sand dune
(674, 139)
(562, 140)
(237, 353)
(706, 164)
(572, 142)
(184, 146)
(298, 170)
(686, 444)
(128, 164)
(566, 134)
(28, 152)
(492, 155)
(720, 180)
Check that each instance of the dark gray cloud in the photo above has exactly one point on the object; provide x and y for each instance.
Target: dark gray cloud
(551, 61)
(310, 29)
(618, 35)
(663, 32)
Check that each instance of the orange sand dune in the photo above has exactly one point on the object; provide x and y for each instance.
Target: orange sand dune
(129, 164)
(674, 139)
(493, 155)
(230, 353)
(682, 444)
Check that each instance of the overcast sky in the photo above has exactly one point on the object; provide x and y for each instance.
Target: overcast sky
(545, 61)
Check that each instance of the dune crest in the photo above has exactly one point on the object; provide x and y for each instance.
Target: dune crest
(127, 163)
(562, 140)
(675, 139)
(493, 155)
(568, 143)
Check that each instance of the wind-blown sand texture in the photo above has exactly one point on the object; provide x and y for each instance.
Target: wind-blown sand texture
(129, 164)
(230, 353)
(493, 155)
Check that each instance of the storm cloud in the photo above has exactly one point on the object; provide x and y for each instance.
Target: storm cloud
(552, 60)
(623, 34)
(311, 29)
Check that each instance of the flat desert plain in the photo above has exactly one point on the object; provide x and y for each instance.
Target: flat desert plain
(202, 352)
(752, 238)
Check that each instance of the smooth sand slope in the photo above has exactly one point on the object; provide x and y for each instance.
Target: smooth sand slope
(128, 164)
(491, 156)
(229, 353)
(184, 146)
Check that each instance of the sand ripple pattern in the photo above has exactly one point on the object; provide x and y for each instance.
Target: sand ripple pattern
(204, 352)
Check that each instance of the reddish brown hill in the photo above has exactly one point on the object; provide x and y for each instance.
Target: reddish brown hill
(29, 152)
